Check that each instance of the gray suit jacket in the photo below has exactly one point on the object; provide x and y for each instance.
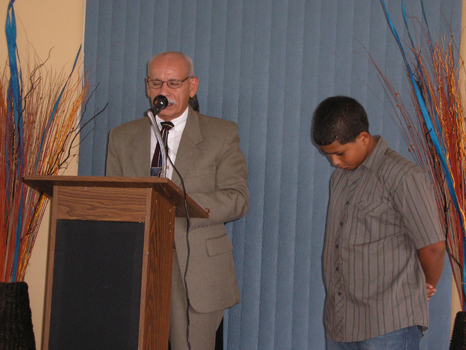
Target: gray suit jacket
(215, 175)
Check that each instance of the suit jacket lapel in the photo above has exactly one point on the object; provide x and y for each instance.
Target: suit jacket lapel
(188, 150)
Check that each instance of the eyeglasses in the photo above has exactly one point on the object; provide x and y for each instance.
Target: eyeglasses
(172, 83)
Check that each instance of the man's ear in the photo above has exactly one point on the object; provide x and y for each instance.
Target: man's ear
(194, 83)
(147, 88)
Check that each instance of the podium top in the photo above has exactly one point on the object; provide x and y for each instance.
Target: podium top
(164, 186)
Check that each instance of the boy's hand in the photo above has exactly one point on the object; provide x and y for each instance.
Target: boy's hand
(430, 291)
(432, 258)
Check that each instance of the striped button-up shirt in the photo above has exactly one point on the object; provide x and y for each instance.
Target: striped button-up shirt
(379, 215)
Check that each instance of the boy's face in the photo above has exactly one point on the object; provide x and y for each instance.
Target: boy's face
(350, 155)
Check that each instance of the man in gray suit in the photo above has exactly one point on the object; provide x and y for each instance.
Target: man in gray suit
(205, 151)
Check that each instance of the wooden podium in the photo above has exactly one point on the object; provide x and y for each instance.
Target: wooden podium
(110, 260)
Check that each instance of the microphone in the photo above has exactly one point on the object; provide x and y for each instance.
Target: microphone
(160, 102)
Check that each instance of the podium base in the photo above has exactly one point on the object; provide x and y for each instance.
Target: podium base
(458, 338)
(15, 317)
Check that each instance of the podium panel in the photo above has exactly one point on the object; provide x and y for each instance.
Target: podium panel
(97, 285)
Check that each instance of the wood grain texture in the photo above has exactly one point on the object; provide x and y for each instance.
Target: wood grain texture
(102, 204)
(155, 310)
(164, 186)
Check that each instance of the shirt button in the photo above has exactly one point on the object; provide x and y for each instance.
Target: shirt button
(339, 293)
(336, 246)
(337, 269)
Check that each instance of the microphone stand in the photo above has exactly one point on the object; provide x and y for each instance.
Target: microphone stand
(158, 136)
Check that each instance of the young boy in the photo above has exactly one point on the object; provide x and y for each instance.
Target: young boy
(384, 243)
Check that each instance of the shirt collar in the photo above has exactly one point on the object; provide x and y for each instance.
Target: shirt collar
(178, 123)
(375, 158)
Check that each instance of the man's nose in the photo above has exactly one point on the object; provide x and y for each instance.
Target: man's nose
(164, 89)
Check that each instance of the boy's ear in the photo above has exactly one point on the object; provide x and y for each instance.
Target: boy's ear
(363, 137)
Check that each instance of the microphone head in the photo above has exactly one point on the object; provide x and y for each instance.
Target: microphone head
(159, 103)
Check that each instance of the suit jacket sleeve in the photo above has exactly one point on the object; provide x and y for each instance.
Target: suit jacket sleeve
(228, 200)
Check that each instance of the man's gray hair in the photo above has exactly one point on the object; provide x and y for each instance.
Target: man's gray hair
(187, 59)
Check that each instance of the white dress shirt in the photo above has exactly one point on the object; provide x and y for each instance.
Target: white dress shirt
(174, 138)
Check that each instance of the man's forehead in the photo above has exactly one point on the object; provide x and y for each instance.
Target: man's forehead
(167, 68)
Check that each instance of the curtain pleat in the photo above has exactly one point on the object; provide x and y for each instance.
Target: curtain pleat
(265, 64)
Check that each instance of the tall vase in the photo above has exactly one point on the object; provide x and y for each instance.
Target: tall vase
(16, 331)
(458, 337)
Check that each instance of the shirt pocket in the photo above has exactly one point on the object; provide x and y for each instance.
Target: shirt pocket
(219, 245)
(373, 221)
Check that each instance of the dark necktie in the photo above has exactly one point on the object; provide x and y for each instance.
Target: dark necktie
(157, 159)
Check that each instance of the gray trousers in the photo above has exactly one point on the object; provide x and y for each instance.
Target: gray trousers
(202, 327)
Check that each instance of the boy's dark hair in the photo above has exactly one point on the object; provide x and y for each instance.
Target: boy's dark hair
(338, 118)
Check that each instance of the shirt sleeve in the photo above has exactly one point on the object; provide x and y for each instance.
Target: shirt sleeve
(415, 197)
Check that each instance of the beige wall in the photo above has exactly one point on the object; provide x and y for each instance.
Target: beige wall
(45, 24)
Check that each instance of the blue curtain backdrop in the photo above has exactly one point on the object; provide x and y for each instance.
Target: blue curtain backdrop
(265, 64)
